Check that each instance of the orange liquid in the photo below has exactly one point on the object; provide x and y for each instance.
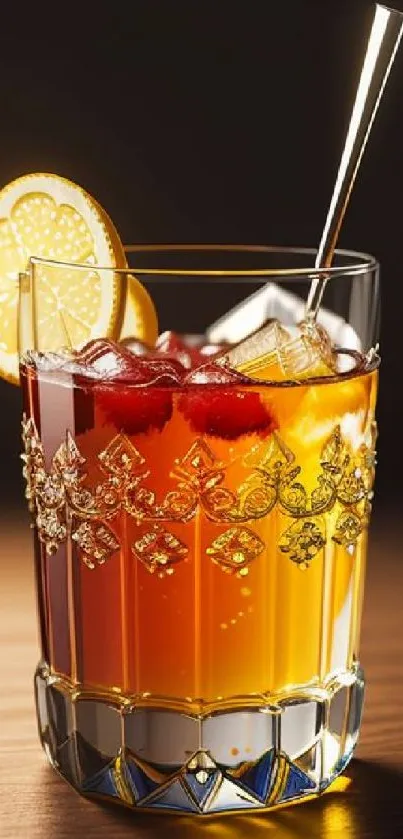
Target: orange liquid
(211, 622)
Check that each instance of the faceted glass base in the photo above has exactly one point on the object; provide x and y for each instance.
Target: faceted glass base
(242, 758)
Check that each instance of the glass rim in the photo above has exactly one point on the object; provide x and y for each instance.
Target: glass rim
(361, 262)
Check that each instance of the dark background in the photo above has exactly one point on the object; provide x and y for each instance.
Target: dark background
(203, 121)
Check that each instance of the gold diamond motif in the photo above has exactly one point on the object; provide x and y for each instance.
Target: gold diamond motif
(349, 527)
(273, 458)
(198, 473)
(159, 550)
(235, 549)
(334, 456)
(120, 457)
(302, 541)
(198, 462)
(97, 542)
(273, 480)
(68, 462)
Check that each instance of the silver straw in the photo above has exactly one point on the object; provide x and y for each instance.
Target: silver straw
(384, 39)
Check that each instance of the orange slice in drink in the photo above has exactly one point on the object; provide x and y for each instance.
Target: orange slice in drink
(51, 218)
(324, 406)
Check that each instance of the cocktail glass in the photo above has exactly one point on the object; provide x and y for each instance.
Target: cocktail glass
(200, 544)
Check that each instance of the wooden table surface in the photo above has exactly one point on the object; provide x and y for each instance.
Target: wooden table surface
(367, 803)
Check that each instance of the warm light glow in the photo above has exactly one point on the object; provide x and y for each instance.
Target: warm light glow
(338, 821)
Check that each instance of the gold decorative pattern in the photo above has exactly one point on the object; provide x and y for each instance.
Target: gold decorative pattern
(159, 550)
(234, 549)
(63, 500)
(97, 542)
(349, 527)
(302, 541)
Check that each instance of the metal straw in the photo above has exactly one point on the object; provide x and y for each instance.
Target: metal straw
(384, 39)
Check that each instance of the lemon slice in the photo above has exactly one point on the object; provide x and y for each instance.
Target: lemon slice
(140, 318)
(49, 217)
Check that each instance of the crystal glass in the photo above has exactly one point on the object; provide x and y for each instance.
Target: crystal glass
(200, 550)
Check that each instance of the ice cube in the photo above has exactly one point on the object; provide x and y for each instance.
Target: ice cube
(46, 362)
(135, 346)
(213, 374)
(319, 339)
(273, 353)
(166, 366)
(258, 351)
(103, 358)
(187, 349)
(210, 350)
(199, 356)
(307, 355)
(159, 371)
(64, 361)
(105, 361)
(191, 339)
(272, 301)
(169, 342)
(173, 346)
